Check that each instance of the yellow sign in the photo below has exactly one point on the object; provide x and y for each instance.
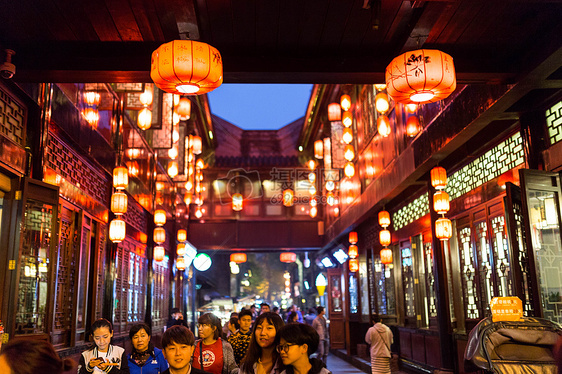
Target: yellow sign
(506, 308)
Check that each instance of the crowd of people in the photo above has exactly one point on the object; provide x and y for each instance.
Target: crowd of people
(253, 341)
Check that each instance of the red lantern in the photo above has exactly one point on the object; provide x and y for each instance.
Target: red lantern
(385, 237)
(353, 265)
(144, 119)
(196, 144)
(384, 218)
(159, 217)
(334, 112)
(438, 178)
(182, 235)
(319, 149)
(92, 117)
(159, 253)
(421, 76)
(186, 67)
(347, 119)
(381, 102)
(159, 235)
(117, 230)
(347, 135)
(238, 258)
(92, 98)
(412, 126)
(441, 202)
(383, 126)
(349, 152)
(237, 202)
(353, 237)
(349, 169)
(184, 109)
(352, 251)
(180, 263)
(345, 102)
(288, 197)
(119, 203)
(180, 249)
(120, 177)
(386, 256)
(288, 257)
(443, 228)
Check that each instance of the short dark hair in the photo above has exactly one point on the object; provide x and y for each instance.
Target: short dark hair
(175, 310)
(375, 318)
(178, 334)
(319, 309)
(264, 304)
(211, 319)
(244, 312)
(25, 356)
(300, 333)
(98, 324)
(234, 321)
(139, 326)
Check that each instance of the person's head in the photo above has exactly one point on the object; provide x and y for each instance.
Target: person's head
(319, 310)
(233, 314)
(176, 313)
(23, 356)
(293, 317)
(276, 309)
(178, 346)
(140, 336)
(297, 341)
(375, 318)
(253, 308)
(233, 324)
(264, 308)
(209, 326)
(245, 320)
(264, 336)
(102, 332)
(311, 311)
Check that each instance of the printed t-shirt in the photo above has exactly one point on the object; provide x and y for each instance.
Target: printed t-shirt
(212, 357)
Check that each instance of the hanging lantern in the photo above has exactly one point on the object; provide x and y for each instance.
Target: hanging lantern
(237, 202)
(144, 119)
(313, 212)
(120, 177)
(385, 238)
(411, 108)
(352, 251)
(288, 257)
(443, 228)
(330, 198)
(345, 102)
(438, 178)
(159, 253)
(380, 87)
(198, 213)
(159, 235)
(117, 230)
(238, 258)
(349, 152)
(353, 237)
(384, 218)
(330, 185)
(92, 116)
(422, 76)
(311, 164)
(173, 152)
(196, 145)
(184, 109)
(353, 265)
(180, 263)
(200, 163)
(412, 126)
(173, 169)
(119, 203)
(146, 97)
(381, 102)
(312, 177)
(347, 119)
(182, 235)
(312, 190)
(159, 217)
(92, 98)
(186, 67)
(383, 126)
(288, 197)
(349, 169)
(180, 249)
(347, 135)
(334, 112)
(441, 202)
(386, 256)
(187, 198)
(319, 149)
(133, 168)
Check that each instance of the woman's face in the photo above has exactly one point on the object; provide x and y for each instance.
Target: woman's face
(140, 340)
(206, 330)
(265, 334)
(102, 337)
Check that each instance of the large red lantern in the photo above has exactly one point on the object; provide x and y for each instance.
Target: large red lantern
(386, 256)
(186, 67)
(117, 230)
(334, 112)
(159, 235)
(384, 218)
(352, 251)
(238, 258)
(288, 257)
(421, 76)
(120, 177)
(438, 178)
(353, 265)
(443, 228)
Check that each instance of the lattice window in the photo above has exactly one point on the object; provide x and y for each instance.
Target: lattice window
(161, 292)
(554, 122)
(501, 258)
(523, 259)
(100, 271)
(484, 265)
(429, 280)
(411, 212)
(408, 282)
(12, 118)
(380, 281)
(471, 298)
(503, 157)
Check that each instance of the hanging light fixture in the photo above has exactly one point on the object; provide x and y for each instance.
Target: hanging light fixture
(92, 98)
(237, 202)
(117, 230)
(180, 249)
(349, 169)
(421, 76)
(438, 178)
(385, 237)
(288, 257)
(381, 102)
(180, 263)
(144, 119)
(159, 217)
(353, 251)
(198, 212)
(319, 149)
(441, 202)
(173, 152)
(347, 135)
(347, 119)
(92, 116)
(330, 199)
(186, 67)
(187, 198)
(196, 144)
(386, 256)
(182, 235)
(288, 197)
(313, 212)
(353, 237)
(412, 126)
(159, 235)
(159, 253)
(172, 169)
(349, 152)
(145, 98)
(383, 125)
(353, 265)
(120, 178)
(184, 109)
(334, 112)
(119, 203)
(345, 102)
(443, 228)
(311, 164)
(384, 218)
(238, 258)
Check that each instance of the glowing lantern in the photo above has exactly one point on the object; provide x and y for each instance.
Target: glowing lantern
(381, 102)
(443, 228)
(319, 149)
(173, 152)
(347, 119)
(347, 135)
(186, 67)
(198, 213)
(288, 257)
(349, 169)
(411, 108)
(345, 102)
(383, 126)
(384, 218)
(120, 177)
(172, 169)
(349, 152)
(92, 98)
(412, 126)
(117, 230)
(334, 112)
(353, 237)
(238, 258)
(133, 168)
(159, 235)
(92, 116)
(196, 144)
(159, 217)
(330, 185)
(330, 198)
(385, 238)
(237, 202)
(313, 212)
(180, 263)
(159, 253)
(144, 120)
(180, 249)
(422, 76)
(187, 198)
(184, 109)
(182, 235)
(311, 177)
(119, 203)
(312, 190)
(386, 256)
(288, 197)
(146, 97)
(200, 163)
(441, 202)
(352, 251)
(438, 178)
(353, 265)
(311, 164)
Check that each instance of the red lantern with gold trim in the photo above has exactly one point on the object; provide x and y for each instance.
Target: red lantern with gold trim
(385, 238)
(384, 218)
(288, 257)
(352, 251)
(159, 253)
(441, 202)
(443, 228)
(438, 178)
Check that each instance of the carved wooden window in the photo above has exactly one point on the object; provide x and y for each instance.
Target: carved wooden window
(161, 292)
(429, 280)
(408, 281)
(468, 274)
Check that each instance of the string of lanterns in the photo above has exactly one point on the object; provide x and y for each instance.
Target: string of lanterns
(90, 113)
(441, 204)
(144, 119)
(385, 238)
(353, 252)
(117, 226)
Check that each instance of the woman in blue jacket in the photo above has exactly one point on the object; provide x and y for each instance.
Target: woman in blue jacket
(145, 358)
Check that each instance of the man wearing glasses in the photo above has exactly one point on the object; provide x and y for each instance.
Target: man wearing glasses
(297, 342)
